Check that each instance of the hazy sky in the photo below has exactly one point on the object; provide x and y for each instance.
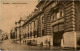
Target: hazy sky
(12, 12)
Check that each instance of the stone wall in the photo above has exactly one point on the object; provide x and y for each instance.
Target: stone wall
(69, 14)
(77, 20)
(77, 8)
(69, 37)
(45, 40)
(69, 22)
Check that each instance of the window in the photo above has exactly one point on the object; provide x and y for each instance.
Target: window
(42, 22)
(31, 34)
(42, 19)
(61, 27)
(34, 24)
(30, 26)
(52, 18)
(62, 14)
(42, 26)
(43, 32)
(58, 27)
(28, 35)
(56, 15)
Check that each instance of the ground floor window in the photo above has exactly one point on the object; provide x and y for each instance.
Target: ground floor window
(78, 40)
(43, 32)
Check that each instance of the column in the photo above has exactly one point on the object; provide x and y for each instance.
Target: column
(36, 28)
(33, 29)
(26, 31)
(29, 30)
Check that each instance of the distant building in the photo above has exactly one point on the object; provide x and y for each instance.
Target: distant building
(19, 29)
(12, 34)
(3, 35)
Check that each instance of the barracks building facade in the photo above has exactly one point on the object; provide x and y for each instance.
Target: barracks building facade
(57, 22)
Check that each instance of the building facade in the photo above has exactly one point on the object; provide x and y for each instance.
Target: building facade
(54, 22)
(19, 29)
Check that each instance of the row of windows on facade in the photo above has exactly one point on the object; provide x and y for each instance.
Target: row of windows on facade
(29, 27)
(56, 28)
(56, 15)
(34, 34)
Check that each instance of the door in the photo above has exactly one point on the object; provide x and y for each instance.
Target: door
(57, 36)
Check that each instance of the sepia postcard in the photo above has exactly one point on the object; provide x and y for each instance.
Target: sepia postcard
(27, 25)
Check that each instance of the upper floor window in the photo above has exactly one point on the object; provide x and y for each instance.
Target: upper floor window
(53, 17)
(42, 22)
(30, 26)
(34, 23)
(42, 19)
(62, 13)
(57, 14)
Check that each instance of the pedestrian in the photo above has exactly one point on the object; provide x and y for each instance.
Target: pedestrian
(49, 43)
(25, 41)
(20, 38)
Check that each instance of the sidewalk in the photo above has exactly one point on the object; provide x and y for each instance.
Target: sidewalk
(38, 47)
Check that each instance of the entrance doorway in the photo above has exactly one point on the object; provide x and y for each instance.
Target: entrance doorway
(57, 36)
(58, 31)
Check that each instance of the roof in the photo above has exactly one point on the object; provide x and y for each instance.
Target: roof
(40, 3)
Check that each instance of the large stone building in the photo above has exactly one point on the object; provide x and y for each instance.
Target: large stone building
(19, 29)
(57, 22)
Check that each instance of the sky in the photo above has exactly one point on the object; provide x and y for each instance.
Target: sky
(12, 12)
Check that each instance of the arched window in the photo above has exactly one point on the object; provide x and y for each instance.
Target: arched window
(57, 13)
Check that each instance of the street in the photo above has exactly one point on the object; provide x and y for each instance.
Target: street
(9, 45)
